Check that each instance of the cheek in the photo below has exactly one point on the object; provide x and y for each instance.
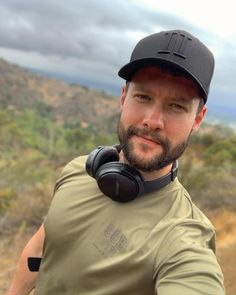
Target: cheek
(127, 119)
(129, 115)
(179, 130)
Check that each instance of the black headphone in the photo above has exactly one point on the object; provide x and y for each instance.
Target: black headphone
(119, 181)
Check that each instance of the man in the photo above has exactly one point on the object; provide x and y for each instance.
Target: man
(132, 228)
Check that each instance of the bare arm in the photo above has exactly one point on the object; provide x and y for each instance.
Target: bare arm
(24, 280)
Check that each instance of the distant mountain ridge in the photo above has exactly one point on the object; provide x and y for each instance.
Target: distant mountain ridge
(69, 104)
(73, 104)
(221, 113)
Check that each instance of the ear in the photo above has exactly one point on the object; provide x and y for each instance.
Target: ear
(199, 119)
(123, 95)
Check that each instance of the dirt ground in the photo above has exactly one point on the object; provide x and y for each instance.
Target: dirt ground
(227, 260)
(225, 223)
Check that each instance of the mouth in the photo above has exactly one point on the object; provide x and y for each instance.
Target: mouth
(147, 140)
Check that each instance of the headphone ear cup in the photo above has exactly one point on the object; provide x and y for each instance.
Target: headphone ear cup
(119, 181)
(100, 156)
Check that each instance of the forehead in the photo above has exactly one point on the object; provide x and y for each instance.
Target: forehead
(154, 76)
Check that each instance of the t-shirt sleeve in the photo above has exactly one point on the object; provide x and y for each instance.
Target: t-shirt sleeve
(70, 172)
(186, 263)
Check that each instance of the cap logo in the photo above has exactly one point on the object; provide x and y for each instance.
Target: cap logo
(176, 45)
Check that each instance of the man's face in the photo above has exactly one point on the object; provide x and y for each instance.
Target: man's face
(158, 114)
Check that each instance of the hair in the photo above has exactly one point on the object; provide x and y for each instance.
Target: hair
(201, 105)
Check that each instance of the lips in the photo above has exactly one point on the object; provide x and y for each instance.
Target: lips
(148, 140)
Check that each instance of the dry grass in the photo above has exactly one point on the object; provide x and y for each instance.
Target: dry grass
(225, 223)
(10, 249)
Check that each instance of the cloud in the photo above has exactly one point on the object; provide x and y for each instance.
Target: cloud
(95, 37)
(101, 31)
(92, 39)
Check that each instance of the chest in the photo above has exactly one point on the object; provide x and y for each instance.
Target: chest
(97, 238)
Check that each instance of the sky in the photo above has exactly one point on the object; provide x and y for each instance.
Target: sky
(88, 41)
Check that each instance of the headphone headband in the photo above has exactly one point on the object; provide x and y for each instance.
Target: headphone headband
(159, 183)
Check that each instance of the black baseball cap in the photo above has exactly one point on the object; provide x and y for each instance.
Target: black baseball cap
(176, 50)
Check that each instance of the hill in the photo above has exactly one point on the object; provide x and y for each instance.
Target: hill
(67, 104)
(44, 123)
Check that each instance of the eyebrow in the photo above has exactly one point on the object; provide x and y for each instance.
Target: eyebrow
(147, 90)
(181, 99)
(142, 89)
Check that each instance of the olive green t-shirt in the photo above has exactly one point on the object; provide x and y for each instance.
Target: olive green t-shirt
(159, 243)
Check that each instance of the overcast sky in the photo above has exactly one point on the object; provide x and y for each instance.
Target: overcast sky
(89, 40)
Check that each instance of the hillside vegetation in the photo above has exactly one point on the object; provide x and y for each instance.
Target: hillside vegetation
(44, 123)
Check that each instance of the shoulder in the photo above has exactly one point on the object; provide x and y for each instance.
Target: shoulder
(77, 164)
(71, 171)
(182, 209)
(192, 232)
(186, 260)
(185, 226)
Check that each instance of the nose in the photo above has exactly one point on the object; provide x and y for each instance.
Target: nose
(154, 119)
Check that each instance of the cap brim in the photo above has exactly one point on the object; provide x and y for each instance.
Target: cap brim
(128, 70)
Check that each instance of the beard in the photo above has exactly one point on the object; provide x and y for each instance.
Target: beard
(159, 160)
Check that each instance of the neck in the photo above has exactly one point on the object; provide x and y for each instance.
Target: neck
(148, 176)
